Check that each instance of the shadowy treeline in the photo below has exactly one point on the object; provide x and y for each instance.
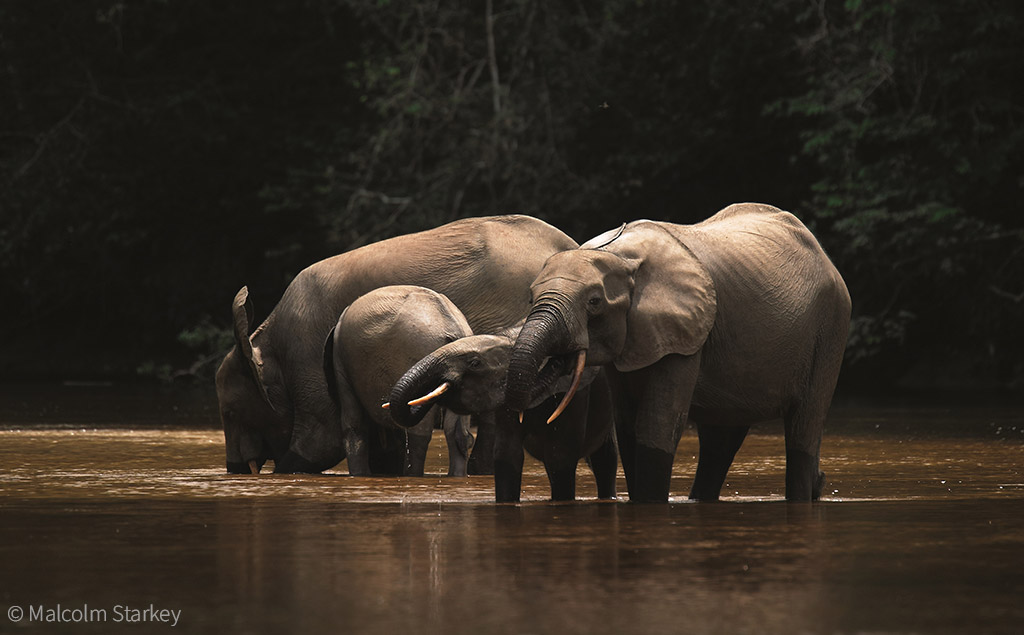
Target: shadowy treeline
(157, 155)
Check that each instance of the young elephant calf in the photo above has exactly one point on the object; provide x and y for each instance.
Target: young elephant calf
(468, 376)
(377, 338)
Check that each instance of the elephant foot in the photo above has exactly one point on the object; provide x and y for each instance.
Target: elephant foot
(653, 475)
(804, 481)
(563, 483)
(508, 482)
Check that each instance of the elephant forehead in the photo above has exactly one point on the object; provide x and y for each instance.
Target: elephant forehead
(476, 344)
(580, 265)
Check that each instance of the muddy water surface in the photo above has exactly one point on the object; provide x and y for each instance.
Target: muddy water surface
(115, 514)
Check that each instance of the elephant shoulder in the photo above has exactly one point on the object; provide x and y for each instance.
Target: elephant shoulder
(518, 231)
(751, 215)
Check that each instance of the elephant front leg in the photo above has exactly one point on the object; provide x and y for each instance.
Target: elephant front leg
(481, 460)
(664, 391)
(459, 441)
(605, 466)
(417, 442)
(562, 477)
(314, 447)
(508, 457)
(357, 449)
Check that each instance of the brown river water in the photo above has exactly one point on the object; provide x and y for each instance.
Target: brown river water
(116, 516)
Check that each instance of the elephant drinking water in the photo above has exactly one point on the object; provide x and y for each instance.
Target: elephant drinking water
(271, 389)
(738, 319)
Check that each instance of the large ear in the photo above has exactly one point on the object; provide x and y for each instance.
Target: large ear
(242, 311)
(674, 301)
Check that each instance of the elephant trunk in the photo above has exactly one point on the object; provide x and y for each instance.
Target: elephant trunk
(421, 385)
(543, 336)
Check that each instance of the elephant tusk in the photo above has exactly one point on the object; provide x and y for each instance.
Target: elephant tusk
(434, 394)
(254, 467)
(386, 405)
(520, 417)
(577, 374)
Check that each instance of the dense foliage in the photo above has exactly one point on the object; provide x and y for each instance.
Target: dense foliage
(157, 155)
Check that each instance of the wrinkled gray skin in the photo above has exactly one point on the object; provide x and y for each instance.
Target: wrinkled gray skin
(273, 396)
(376, 339)
(474, 369)
(739, 319)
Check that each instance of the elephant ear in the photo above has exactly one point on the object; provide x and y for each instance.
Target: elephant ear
(674, 301)
(242, 312)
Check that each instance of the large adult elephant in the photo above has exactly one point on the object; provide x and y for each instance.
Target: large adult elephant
(273, 396)
(738, 319)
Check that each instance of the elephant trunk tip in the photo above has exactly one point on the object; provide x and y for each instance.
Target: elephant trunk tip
(415, 392)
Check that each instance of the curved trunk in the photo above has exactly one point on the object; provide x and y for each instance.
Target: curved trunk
(543, 335)
(423, 379)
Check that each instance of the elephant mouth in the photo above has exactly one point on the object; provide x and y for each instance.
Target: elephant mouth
(551, 369)
(554, 368)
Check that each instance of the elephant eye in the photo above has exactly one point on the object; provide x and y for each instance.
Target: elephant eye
(474, 363)
(594, 301)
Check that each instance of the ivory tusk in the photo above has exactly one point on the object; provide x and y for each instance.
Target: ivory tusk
(577, 374)
(432, 395)
(254, 467)
(520, 417)
(386, 405)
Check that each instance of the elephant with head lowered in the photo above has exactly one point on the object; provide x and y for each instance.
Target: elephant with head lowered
(738, 319)
(377, 338)
(271, 389)
(468, 376)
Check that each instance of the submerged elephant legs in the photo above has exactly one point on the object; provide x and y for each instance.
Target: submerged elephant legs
(718, 447)
(651, 407)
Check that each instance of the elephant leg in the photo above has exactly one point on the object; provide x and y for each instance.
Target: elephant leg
(562, 477)
(481, 461)
(459, 441)
(666, 388)
(563, 441)
(355, 426)
(718, 447)
(604, 464)
(624, 407)
(357, 448)
(803, 427)
(603, 460)
(417, 442)
(314, 447)
(387, 452)
(508, 457)
(805, 421)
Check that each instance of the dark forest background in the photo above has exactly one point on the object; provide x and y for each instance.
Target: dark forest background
(156, 155)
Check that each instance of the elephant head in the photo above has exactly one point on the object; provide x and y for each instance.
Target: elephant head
(628, 297)
(466, 376)
(253, 430)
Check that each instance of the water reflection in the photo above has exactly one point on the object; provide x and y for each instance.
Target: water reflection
(921, 533)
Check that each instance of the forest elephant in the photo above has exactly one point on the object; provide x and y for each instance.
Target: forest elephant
(271, 389)
(468, 376)
(738, 319)
(377, 338)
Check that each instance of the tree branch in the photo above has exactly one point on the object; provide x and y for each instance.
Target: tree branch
(492, 59)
